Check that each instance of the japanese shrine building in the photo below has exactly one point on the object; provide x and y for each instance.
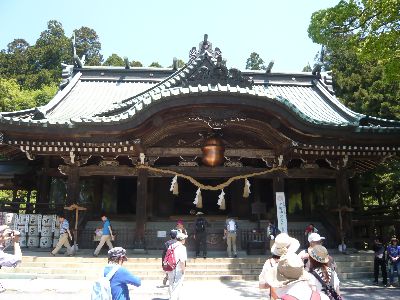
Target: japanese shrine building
(86, 144)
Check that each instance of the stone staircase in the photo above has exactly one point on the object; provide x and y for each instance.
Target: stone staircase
(148, 267)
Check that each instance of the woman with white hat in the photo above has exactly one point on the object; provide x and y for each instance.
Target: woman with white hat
(322, 275)
(283, 244)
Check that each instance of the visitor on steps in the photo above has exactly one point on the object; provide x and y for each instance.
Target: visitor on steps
(289, 280)
(200, 236)
(65, 233)
(230, 232)
(107, 235)
(176, 276)
(173, 233)
(9, 260)
(323, 276)
(379, 261)
(272, 232)
(309, 230)
(393, 252)
(181, 227)
(122, 277)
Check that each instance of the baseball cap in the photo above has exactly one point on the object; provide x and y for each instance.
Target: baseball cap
(315, 237)
(117, 252)
(181, 236)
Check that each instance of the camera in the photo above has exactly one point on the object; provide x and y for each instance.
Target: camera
(13, 233)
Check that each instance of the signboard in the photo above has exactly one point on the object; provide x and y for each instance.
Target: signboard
(281, 211)
(161, 234)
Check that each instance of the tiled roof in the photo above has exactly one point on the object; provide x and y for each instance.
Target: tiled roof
(112, 95)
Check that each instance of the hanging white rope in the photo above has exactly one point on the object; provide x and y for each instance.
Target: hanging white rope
(198, 201)
(174, 185)
(221, 200)
(246, 190)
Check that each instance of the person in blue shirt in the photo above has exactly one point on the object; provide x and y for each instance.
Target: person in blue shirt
(393, 252)
(122, 277)
(107, 235)
(65, 233)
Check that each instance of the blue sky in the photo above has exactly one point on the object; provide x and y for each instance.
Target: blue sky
(158, 30)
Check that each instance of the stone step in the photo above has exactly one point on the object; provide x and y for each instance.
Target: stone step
(358, 275)
(354, 269)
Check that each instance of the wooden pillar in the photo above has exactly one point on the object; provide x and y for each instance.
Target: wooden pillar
(98, 196)
(73, 187)
(278, 185)
(343, 199)
(43, 192)
(141, 209)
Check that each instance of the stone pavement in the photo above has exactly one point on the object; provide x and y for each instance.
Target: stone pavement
(61, 289)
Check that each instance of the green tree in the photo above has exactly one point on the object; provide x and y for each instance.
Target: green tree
(371, 28)
(88, 44)
(155, 65)
(307, 68)
(135, 63)
(114, 60)
(255, 62)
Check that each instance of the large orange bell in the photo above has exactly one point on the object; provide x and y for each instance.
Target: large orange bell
(213, 152)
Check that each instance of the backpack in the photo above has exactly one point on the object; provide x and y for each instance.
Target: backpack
(169, 263)
(328, 289)
(200, 225)
(231, 226)
(101, 289)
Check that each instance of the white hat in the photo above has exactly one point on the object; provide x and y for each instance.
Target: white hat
(284, 244)
(289, 270)
(315, 237)
(181, 236)
(199, 213)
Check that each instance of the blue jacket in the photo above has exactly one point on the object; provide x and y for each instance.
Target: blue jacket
(119, 282)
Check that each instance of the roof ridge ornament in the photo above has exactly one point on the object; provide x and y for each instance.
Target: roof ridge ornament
(205, 48)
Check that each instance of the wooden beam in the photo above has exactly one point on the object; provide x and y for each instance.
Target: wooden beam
(176, 152)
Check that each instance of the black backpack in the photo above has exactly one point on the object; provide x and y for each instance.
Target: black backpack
(200, 225)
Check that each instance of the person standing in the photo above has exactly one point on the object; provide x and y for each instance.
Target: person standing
(107, 235)
(122, 277)
(272, 232)
(9, 260)
(181, 227)
(230, 232)
(65, 233)
(322, 274)
(176, 276)
(393, 252)
(379, 261)
(173, 233)
(200, 235)
(309, 229)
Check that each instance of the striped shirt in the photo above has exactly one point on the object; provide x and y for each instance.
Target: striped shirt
(64, 226)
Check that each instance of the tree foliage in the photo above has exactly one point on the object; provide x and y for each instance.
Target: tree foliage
(255, 62)
(155, 65)
(135, 63)
(88, 44)
(371, 28)
(114, 60)
(362, 50)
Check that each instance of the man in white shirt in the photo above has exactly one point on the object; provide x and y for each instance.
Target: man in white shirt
(230, 235)
(176, 276)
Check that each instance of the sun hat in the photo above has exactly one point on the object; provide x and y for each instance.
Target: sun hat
(117, 252)
(289, 270)
(315, 237)
(284, 244)
(3, 227)
(319, 254)
(181, 236)
(394, 238)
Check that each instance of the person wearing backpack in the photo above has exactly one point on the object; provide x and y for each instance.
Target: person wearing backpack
(393, 253)
(107, 235)
(168, 243)
(175, 263)
(230, 231)
(200, 235)
(114, 284)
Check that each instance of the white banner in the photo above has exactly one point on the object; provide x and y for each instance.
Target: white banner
(281, 211)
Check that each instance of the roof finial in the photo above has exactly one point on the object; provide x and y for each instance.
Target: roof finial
(126, 61)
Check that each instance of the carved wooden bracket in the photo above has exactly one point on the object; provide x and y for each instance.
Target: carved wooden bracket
(75, 159)
(233, 162)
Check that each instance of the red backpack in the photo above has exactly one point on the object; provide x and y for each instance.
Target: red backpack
(169, 263)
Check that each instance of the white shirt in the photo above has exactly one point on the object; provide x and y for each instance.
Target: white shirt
(302, 291)
(314, 281)
(269, 264)
(180, 254)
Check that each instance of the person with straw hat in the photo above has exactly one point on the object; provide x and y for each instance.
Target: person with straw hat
(322, 275)
(289, 280)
